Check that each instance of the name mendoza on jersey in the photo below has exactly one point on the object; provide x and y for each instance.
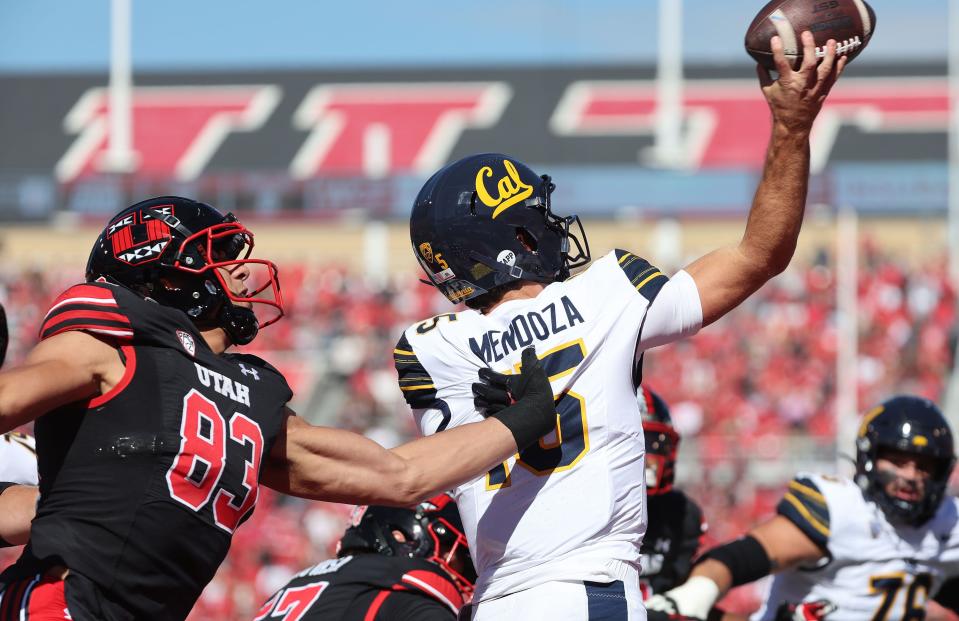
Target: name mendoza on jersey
(523, 329)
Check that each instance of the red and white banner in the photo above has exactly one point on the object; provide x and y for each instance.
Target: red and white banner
(176, 129)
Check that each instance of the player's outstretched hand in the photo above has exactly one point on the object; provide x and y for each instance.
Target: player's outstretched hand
(523, 401)
(796, 97)
(805, 611)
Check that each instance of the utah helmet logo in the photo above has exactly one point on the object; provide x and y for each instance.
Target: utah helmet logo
(426, 251)
(139, 238)
(186, 339)
(510, 189)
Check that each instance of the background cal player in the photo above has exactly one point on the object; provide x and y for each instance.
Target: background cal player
(877, 547)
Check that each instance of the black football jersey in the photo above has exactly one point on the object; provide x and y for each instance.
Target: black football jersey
(142, 488)
(673, 535)
(366, 587)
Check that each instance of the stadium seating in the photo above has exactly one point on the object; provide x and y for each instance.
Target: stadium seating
(748, 388)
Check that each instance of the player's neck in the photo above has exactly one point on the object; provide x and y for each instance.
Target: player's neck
(216, 339)
(527, 290)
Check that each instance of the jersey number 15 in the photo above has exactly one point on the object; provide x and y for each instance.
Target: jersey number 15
(572, 434)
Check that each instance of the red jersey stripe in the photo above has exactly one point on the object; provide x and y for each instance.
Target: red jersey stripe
(375, 606)
(118, 332)
(436, 586)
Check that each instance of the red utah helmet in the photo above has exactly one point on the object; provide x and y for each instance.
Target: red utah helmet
(662, 442)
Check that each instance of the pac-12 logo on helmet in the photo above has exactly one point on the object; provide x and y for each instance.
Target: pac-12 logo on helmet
(486, 221)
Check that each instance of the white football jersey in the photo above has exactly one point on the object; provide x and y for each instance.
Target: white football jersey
(875, 569)
(18, 459)
(573, 506)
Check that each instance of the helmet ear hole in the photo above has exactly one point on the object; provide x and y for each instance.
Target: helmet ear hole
(526, 238)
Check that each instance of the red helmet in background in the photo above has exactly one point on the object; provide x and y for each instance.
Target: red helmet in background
(662, 442)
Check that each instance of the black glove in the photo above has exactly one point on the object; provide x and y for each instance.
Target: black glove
(523, 401)
(805, 611)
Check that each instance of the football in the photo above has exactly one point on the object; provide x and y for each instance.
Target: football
(850, 22)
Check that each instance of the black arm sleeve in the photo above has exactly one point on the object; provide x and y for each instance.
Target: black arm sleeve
(406, 606)
(948, 594)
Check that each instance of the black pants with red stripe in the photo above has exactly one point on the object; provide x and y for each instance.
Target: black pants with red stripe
(34, 599)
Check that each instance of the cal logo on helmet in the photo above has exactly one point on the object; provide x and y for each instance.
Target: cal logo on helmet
(510, 189)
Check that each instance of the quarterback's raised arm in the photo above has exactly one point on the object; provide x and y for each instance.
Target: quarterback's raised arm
(341, 466)
(61, 369)
(727, 276)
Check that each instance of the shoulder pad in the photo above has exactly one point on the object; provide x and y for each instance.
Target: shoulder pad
(647, 279)
(805, 506)
(91, 307)
(415, 382)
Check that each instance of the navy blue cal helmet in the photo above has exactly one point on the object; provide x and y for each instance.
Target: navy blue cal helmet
(486, 221)
(662, 442)
(173, 250)
(911, 425)
(432, 531)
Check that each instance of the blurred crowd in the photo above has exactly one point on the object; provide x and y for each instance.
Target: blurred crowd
(764, 374)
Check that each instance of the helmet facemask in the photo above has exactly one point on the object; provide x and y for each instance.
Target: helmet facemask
(451, 548)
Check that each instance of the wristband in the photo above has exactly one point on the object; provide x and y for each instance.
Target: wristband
(524, 423)
(695, 597)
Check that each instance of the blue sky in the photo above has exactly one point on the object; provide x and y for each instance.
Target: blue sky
(73, 35)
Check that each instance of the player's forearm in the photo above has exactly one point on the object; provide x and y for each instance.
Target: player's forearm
(442, 461)
(775, 218)
(717, 572)
(18, 504)
(340, 466)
